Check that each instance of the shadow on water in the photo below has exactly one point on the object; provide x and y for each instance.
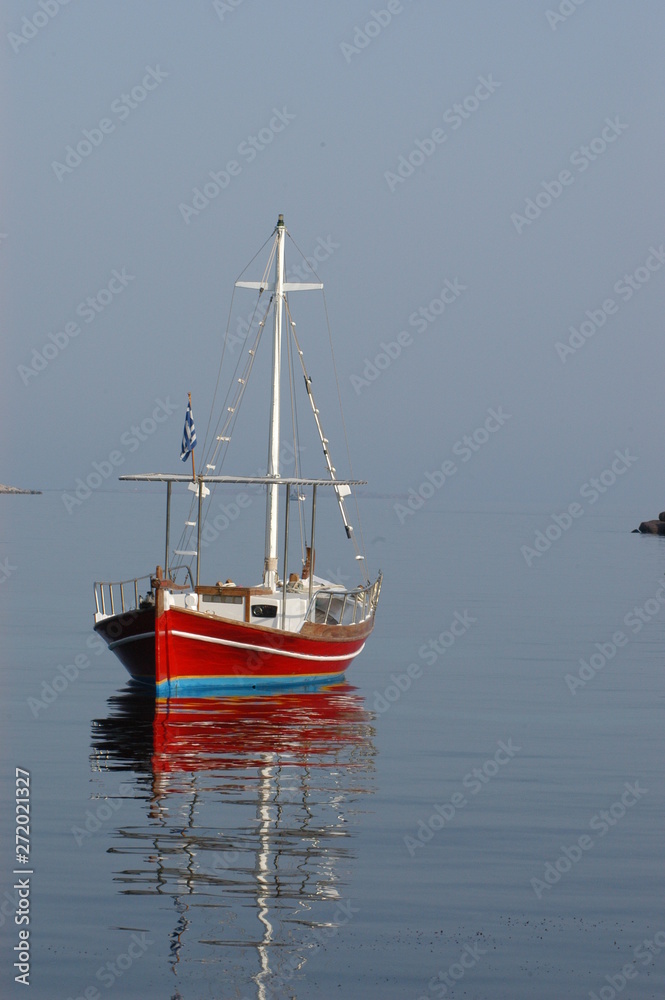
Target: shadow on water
(250, 805)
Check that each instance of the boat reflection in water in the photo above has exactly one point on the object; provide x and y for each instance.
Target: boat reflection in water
(251, 805)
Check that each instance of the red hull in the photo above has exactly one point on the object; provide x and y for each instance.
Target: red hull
(185, 652)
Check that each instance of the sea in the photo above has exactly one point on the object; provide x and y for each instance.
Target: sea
(475, 812)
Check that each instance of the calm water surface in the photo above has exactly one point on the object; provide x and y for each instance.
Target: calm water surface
(457, 820)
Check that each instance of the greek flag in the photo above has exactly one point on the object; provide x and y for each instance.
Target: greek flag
(188, 435)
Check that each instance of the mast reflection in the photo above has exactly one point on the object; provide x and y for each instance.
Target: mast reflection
(251, 801)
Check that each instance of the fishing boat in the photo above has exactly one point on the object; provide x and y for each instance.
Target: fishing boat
(290, 627)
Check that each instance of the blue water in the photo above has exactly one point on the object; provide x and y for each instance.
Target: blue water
(291, 845)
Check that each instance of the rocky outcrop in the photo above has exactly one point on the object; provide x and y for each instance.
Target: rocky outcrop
(15, 489)
(653, 527)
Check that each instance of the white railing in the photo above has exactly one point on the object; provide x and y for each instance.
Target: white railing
(125, 595)
(116, 598)
(344, 607)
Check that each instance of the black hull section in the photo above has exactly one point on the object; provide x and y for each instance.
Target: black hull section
(131, 636)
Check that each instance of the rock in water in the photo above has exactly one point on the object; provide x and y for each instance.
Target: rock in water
(653, 527)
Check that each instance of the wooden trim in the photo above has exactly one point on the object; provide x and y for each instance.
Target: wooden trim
(159, 583)
(337, 633)
(233, 591)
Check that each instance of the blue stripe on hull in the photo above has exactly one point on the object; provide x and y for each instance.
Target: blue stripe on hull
(195, 686)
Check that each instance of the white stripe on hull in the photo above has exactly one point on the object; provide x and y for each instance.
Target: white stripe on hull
(131, 638)
(266, 649)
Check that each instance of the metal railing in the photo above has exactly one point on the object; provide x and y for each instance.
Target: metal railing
(117, 598)
(344, 607)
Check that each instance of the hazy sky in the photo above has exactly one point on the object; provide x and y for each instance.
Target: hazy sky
(479, 177)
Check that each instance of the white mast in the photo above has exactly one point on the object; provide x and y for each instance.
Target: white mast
(270, 567)
(279, 288)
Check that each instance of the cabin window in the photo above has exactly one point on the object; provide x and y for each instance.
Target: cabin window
(220, 599)
(264, 610)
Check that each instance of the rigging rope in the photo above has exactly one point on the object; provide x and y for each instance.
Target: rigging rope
(324, 444)
(361, 550)
(185, 537)
(226, 337)
(213, 447)
(233, 410)
(296, 437)
(346, 436)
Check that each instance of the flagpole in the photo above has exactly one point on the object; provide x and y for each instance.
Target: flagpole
(188, 445)
(189, 400)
